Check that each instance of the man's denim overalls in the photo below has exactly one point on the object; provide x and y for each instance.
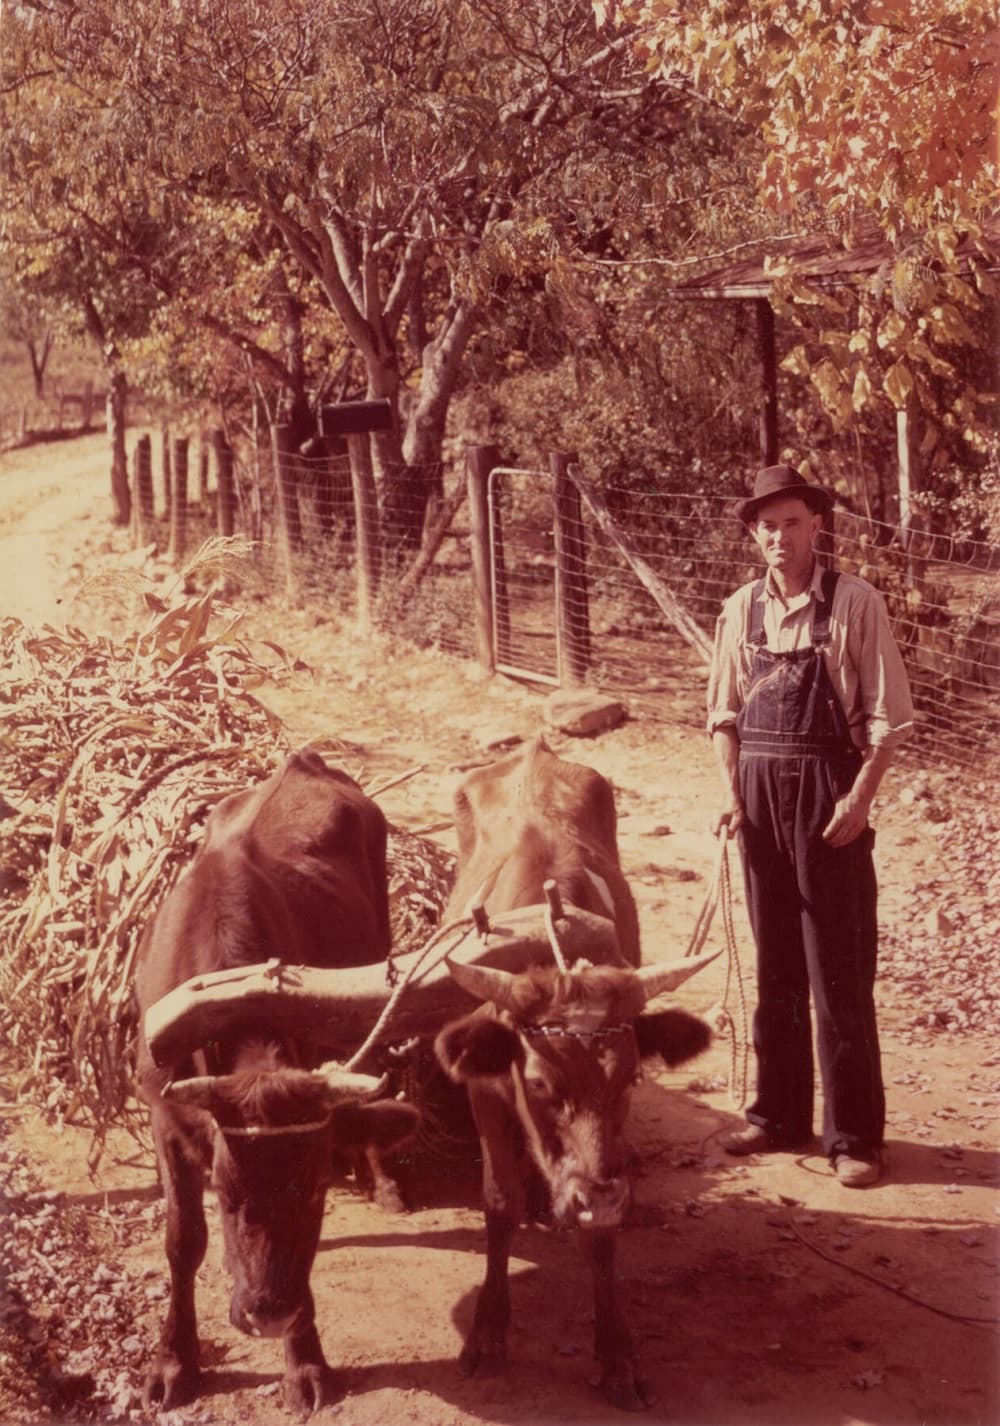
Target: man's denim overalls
(812, 906)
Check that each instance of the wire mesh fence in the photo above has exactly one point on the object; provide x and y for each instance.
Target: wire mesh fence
(652, 569)
(942, 596)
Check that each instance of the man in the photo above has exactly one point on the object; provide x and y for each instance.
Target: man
(807, 700)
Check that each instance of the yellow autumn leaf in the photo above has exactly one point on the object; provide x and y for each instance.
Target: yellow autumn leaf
(949, 325)
(898, 383)
(796, 361)
(827, 381)
(861, 392)
(891, 328)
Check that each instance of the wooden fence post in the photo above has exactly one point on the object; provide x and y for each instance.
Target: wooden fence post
(479, 461)
(286, 487)
(226, 511)
(572, 603)
(203, 454)
(165, 470)
(179, 503)
(769, 374)
(366, 524)
(143, 506)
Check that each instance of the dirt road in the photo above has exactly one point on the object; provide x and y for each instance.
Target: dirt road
(761, 1293)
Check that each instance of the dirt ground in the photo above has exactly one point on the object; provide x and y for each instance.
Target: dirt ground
(760, 1292)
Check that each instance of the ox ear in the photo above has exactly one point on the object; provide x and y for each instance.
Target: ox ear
(383, 1125)
(674, 1035)
(478, 1047)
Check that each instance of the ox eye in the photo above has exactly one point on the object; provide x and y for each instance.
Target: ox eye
(538, 1087)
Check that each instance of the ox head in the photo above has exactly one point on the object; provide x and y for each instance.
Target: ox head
(565, 1049)
(277, 1130)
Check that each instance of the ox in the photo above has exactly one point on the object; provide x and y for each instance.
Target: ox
(293, 870)
(550, 1056)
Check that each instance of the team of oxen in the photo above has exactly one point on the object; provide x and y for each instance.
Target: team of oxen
(264, 970)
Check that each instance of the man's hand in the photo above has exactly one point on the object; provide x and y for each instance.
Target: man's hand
(732, 818)
(727, 752)
(849, 820)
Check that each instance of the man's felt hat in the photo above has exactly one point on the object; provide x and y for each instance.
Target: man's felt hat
(776, 480)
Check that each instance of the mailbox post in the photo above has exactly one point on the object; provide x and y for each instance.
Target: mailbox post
(356, 420)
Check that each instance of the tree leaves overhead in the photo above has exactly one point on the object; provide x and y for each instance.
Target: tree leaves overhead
(884, 108)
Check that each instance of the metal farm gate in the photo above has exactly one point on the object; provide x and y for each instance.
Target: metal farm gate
(523, 574)
(537, 574)
(574, 599)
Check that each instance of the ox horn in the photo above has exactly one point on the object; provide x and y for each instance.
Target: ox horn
(656, 979)
(485, 983)
(198, 1092)
(346, 1084)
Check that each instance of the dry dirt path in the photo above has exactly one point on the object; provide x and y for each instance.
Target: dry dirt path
(761, 1293)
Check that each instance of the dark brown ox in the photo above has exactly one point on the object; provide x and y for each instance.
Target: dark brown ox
(292, 870)
(550, 1057)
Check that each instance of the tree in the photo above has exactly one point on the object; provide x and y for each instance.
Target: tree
(79, 228)
(865, 117)
(397, 149)
(25, 319)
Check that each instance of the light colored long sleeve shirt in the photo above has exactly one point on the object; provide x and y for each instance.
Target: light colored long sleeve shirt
(862, 658)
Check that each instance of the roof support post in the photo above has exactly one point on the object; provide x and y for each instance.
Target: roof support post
(769, 377)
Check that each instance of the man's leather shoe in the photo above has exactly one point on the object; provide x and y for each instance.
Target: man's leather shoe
(755, 1139)
(857, 1171)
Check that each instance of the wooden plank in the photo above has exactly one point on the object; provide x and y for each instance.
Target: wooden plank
(572, 604)
(479, 461)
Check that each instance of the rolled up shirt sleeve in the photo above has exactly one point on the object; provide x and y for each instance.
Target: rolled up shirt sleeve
(724, 682)
(883, 688)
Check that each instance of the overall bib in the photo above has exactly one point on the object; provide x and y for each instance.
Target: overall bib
(812, 906)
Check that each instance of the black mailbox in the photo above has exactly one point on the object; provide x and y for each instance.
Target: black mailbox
(352, 418)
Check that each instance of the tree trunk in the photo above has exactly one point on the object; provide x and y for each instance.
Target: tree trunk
(121, 496)
(408, 487)
(38, 353)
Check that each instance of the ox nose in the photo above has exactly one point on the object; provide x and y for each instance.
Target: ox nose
(602, 1203)
(263, 1318)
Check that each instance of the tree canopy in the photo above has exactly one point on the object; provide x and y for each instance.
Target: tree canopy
(303, 200)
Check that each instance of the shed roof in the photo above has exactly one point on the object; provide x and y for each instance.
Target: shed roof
(818, 261)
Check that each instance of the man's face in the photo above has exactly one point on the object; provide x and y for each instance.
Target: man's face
(784, 530)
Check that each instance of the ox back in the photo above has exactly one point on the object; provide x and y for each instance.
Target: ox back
(293, 869)
(533, 817)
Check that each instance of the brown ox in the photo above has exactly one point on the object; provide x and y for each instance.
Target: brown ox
(550, 1057)
(291, 870)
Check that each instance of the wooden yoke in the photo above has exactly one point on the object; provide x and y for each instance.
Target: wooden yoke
(339, 1007)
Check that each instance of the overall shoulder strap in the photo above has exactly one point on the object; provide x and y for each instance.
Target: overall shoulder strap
(755, 620)
(824, 605)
